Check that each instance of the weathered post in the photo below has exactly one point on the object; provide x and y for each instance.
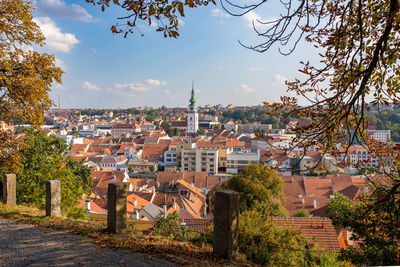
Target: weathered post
(226, 223)
(9, 189)
(53, 198)
(116, 208)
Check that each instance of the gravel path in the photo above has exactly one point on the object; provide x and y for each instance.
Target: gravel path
(26, 245)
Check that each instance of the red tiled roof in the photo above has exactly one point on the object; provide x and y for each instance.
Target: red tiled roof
(199, 179)
(316, 230)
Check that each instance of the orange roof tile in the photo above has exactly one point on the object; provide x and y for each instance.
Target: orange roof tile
(316, 230)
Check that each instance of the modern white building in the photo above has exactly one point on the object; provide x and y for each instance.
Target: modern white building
(192, 118)
(379, 135)
(237, 161)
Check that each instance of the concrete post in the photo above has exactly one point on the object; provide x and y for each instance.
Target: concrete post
(226, 223)
(53, 198)
(116, 208)
(9, 189)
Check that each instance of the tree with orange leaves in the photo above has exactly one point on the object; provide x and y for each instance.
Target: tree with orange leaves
(26, 75)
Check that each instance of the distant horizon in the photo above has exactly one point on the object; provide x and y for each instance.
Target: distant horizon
(147, 107)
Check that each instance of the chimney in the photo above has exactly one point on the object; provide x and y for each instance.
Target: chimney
(165, 210)
(134, 202)
(302, 200)
(136, 214)
(158, 183)
(174, 205)
(87, 205)
(173, 182)
(315, 203)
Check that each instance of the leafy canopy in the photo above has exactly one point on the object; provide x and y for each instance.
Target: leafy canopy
(25, 75)
(376, 226)
(260, 190)
(42, 160)
(164, 13)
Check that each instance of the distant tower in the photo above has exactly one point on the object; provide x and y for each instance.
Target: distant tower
(59, 102)
(192, 118)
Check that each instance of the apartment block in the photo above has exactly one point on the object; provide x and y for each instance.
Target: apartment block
(200, 160)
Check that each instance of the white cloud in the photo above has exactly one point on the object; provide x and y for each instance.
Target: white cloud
(93, 50)
(60, 86)
(216, 12)
(60, 8)
(92, 87)
(252, 17)
(55, 39)
(244, 88)
(280, 79)
(129, 89)
(168, 92)
(61, 64)
(256, 69)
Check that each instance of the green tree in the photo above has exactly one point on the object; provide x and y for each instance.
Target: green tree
(151, 168)
(302, 213)
(151, 115)
(261, 196)
(42, 160)
(266, 244)
(376, 226)
(25, 75)
(130, 168)
(165, 123)
(260, 190)
(201, 131)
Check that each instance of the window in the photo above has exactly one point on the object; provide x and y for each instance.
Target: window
(203, 169)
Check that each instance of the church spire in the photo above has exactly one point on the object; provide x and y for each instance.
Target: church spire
(192, 99)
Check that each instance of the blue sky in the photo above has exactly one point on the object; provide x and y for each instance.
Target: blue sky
(104, 70)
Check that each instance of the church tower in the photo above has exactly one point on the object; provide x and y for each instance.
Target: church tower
(192, 118)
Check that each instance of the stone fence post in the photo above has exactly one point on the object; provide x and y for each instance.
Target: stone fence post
(9, 189)
(226, 223)
(53, 198)
(116, 208)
